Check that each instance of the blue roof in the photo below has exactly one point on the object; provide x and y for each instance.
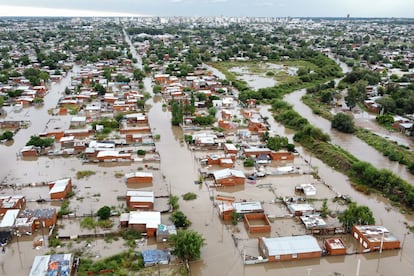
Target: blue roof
(155, 256)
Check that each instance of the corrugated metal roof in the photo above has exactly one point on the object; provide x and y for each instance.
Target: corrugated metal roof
(291, 245)
(56, 264)
(149, 218)
(228, 173)
(9, 218)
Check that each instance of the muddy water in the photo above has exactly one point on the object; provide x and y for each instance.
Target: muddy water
(347, 141)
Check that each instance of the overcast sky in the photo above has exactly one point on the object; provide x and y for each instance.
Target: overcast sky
(274, 8)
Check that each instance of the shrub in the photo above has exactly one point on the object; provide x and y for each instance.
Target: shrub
(82, 174)
(189, 196)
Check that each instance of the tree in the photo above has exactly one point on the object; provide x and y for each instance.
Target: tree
(138, 75)
(187, 245)
(176, 113)
(353, 97)
(356, 215)
(180, 220)
(277, 142)
(39, 142)
(343, 122)
(156, 89)
(7, 135)
(104, 212)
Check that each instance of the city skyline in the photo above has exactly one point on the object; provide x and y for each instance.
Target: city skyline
(259, 8)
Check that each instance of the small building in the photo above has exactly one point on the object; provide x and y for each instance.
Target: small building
(374, 237)
(230, 149)
(282, 156)
(59, 189)
(113, 156)
(300, 209)
(165, 231)
(140, 200)
(144, 221)
(45, 218)
(335, 246)
(78, 121)
(155, 256)
(56, 264)
(306, 188)
(228, 206)
(229, 177)
(138, 177)
(289, 248)
(29, 151)
(9, 218)
(12, 202)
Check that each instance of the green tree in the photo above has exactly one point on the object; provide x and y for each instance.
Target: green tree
(187, 245)
(353, 97)
(180, 220)
(7, 135)
(324, 210)
(176, 113)
(138, 75)
(356, 215)
(343, 122)
(277, 142)
(156, 89)
(104, 212)
(40, 142)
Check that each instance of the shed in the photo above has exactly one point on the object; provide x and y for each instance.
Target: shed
(335, 246)
(289, 248)
(155, 256)
(165, 231)
(300, 209)
(60, 188)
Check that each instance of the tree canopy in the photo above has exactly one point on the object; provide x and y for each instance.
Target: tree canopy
(343, 122)
(187, 244)
(356, 215)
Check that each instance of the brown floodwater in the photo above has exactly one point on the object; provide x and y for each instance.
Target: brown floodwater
(177, 173)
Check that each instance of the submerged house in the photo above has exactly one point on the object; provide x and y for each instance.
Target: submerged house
(229, 177)
(289, 248)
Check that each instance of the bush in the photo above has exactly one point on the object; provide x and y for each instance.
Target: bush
(189, 196)
(249, 162)
(88, 223)
(180, 220)
(104, 212)
(343, 122)
(141, 152)
(82, 174)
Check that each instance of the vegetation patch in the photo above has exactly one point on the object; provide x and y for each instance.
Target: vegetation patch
(83, 174)
(189, 196)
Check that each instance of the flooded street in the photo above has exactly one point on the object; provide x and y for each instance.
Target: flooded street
(176, 174)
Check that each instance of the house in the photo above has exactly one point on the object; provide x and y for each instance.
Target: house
(289, 248)
(229, 177)
(9, 218)
(59, 189)
(155, 256)
(113, 155)
(373, 237)
(282, 156)
(29, 151)
(165, 231)
(335, 246)
(228, 206)
(45, 217)
(78, 121)
(144, 221)
(12, 202)
(230, 149)
(255, 151)
(140, 200)
(138, 177)
(56, 264)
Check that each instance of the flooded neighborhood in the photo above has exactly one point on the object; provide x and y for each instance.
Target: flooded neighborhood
(161, 146)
